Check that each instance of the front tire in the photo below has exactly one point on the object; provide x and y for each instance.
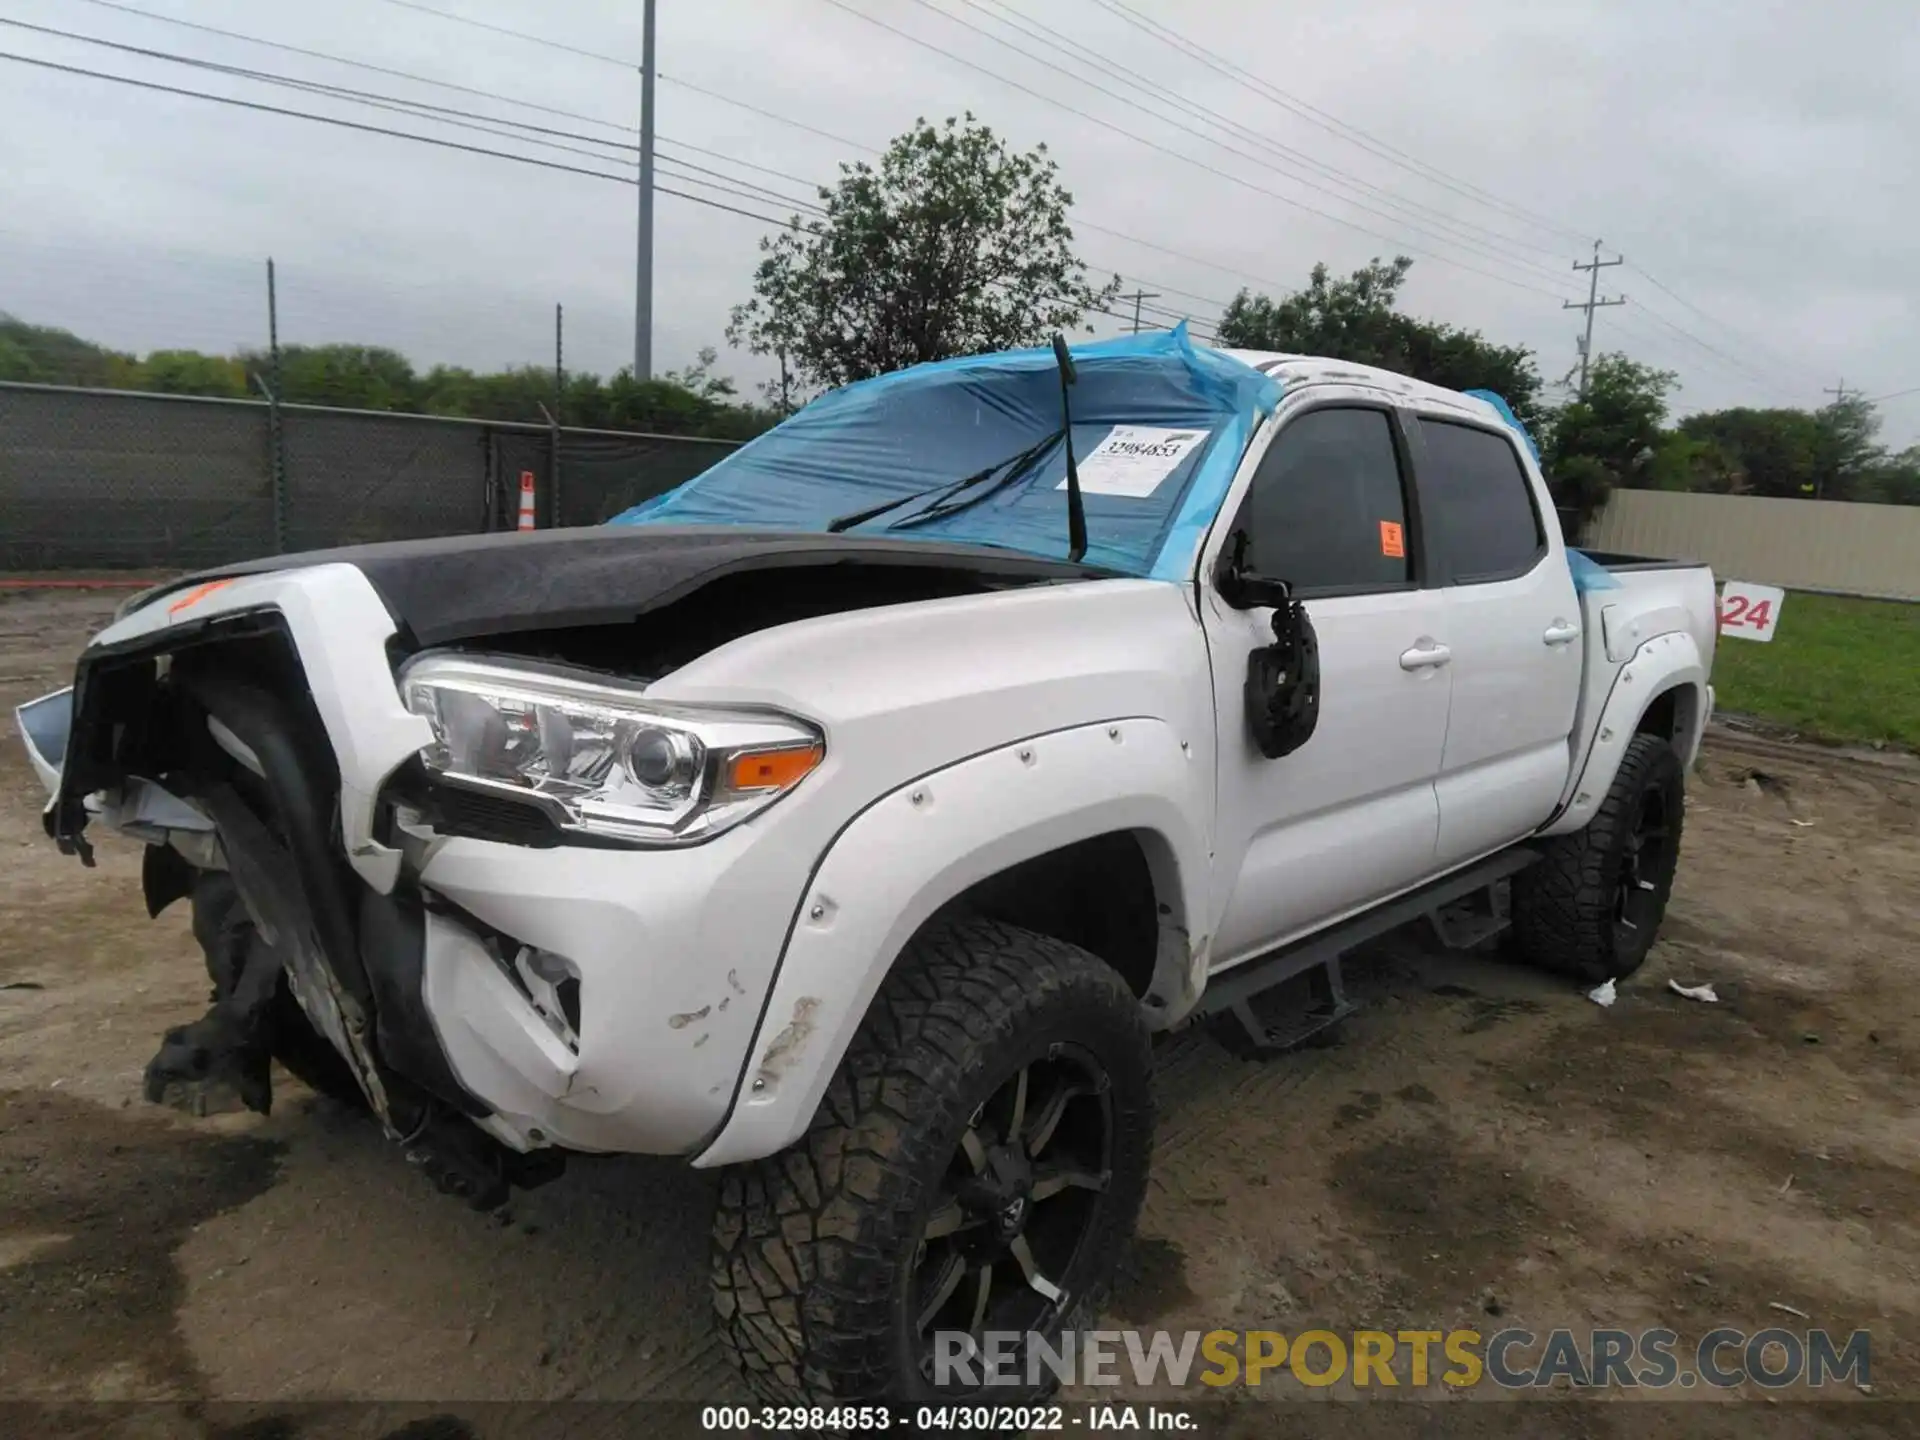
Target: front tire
(984, 1142)
(1592, 905)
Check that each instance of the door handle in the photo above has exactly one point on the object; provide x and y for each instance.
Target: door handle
(1425, 656)
(1561, 632)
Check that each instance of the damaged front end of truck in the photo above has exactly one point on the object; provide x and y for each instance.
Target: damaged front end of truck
(214, 720)
(206, 746)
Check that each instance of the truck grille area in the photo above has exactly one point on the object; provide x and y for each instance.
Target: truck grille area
(455, 810)
(222, 716)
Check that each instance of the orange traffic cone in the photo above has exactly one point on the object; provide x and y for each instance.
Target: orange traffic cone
(526, 500)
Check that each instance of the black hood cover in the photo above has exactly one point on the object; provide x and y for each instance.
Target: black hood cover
(462, 586)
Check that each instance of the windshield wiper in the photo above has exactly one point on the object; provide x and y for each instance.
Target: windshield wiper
(942, 492)
(1017, 471)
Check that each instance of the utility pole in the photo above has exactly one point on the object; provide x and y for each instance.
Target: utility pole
(643, 279)
(1137, 296)
(1840, 393)
(1593, 303)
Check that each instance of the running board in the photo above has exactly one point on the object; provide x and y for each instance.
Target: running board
(1448, 903)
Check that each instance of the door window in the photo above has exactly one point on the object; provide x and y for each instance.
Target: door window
(1327, 510)
(1478, 504)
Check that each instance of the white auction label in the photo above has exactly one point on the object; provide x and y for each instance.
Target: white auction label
(1134, 459)
(1750, 611)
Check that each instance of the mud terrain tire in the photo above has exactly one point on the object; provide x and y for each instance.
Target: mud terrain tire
(828, 1258)
(1591, 907)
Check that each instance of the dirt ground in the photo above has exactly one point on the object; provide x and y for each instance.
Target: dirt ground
(1484, 1147)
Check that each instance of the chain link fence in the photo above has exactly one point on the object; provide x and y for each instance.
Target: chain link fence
(115, 480)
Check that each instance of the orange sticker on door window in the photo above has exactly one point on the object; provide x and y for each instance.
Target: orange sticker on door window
(1393, 543)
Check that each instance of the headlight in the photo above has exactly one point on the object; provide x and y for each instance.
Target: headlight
(599, 757)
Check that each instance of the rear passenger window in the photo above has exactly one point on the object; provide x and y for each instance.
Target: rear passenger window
(1477, 504)
(1326, 509)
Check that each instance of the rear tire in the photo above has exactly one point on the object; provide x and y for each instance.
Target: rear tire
(1592, 906)
(993, 1113)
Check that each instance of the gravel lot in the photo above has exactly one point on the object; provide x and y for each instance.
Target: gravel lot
(1484, 1148)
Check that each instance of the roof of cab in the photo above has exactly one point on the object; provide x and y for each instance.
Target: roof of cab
(1295, 371)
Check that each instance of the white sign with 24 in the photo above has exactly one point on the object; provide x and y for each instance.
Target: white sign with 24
(1750, 611)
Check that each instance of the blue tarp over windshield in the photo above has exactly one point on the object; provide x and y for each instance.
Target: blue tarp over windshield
(922, 429)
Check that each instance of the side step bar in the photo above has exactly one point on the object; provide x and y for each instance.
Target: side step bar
(1465, 908)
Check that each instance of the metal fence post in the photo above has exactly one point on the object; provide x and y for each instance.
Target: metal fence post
(490, 482)
(553, 469)
(276, 442)
(276, 464)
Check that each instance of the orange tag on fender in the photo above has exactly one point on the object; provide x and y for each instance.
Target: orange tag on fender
(1393, 543)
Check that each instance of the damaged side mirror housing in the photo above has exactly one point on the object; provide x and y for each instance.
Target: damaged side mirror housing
(1282, 693)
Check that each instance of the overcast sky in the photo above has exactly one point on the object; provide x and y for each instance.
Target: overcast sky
(1757, 160)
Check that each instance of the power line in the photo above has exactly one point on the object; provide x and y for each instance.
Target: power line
(356, 64)
(775, 116)
(516, 34)
(441, 114)
(736, 187)
(633, 65)
(1746, 371)
(369, 97)
(454, 145)
(1487, 239)
(418, 109)
(1355, 135)
(1164, 33)
(382, 130)
(1895, 395)
(1352, 134)
(1649, 341)
(1737, 335)
(1475, 247)
(1184, 159)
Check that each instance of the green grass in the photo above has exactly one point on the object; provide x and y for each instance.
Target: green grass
(1838, 669)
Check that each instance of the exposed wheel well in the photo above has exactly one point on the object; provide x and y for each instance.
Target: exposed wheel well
(1671, 717)
(1099, 894)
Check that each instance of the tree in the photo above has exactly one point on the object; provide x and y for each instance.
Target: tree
(699, 379)
(188, 372)
(47, 355)
(1683, 461)
(1609, 438)
(1772, 450)
(1845, 449)
(354, 377)
(1356, 319)
(1894, 480)
(955, 245)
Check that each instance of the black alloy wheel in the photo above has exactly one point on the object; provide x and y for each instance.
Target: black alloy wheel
(1017, 1203)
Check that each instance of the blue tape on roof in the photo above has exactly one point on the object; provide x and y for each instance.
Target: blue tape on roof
(1499, 403)
(904, 436)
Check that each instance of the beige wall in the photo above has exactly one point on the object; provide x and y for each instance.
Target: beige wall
(1799, 544)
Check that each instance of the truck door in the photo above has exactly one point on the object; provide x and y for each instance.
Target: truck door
(1351, 816)
(1512, 620)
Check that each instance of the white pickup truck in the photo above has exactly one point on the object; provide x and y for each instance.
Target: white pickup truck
(864, 866)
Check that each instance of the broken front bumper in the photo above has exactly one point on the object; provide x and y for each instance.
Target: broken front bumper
(593, 998)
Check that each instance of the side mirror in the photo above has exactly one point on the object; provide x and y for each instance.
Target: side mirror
(1282, 694)
(1238, 583)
